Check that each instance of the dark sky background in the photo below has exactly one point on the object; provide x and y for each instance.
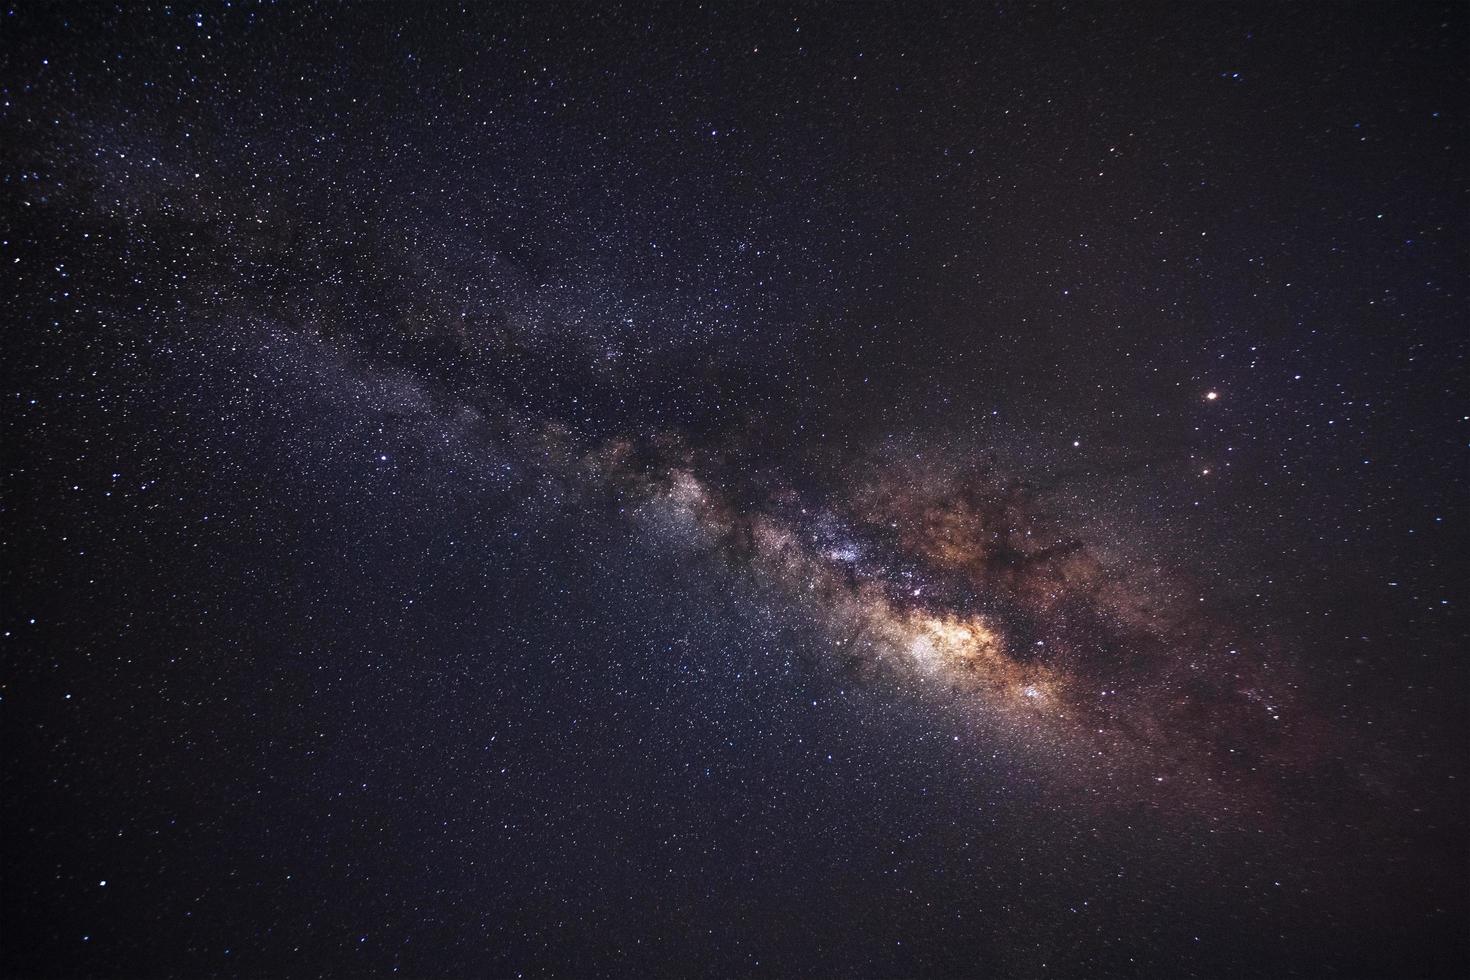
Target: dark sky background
(733, 490)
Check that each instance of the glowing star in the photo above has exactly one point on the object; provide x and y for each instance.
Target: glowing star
(1211, 396)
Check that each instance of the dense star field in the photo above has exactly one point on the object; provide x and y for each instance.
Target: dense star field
(527, 490)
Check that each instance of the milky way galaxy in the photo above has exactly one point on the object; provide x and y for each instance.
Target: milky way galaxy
(531, 489)
(960, 580)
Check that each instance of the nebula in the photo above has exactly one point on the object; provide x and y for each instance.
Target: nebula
(960, 581)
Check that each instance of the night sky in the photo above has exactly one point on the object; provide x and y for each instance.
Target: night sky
(831, 490)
